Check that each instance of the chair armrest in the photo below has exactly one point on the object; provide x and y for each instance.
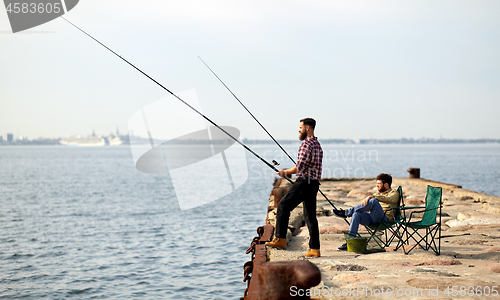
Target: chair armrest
(392, 208)
(411, 207)
(420, 211)
(385, 211)
(404, 208)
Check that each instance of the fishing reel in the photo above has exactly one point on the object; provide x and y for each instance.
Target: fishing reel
(276, 163)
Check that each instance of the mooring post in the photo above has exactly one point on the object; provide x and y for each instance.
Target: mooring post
(414, 172)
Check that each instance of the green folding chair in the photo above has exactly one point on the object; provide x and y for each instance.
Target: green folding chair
(428, 223)
(391, 230)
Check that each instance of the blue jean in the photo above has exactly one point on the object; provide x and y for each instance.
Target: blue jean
(366, 215)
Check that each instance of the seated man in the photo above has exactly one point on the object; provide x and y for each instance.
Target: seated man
(372, 208)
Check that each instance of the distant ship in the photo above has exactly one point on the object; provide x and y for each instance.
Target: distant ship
(89, 141)
(115, 141)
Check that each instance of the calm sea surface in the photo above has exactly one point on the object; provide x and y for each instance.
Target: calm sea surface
(84, 223)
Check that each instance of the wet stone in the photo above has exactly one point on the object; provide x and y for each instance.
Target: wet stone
(434, 271)
(348, 267)
(352, 277)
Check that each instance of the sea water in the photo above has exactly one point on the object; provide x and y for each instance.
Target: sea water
(83, 223)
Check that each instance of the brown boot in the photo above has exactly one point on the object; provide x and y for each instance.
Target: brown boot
(313, 253)
(277, 243)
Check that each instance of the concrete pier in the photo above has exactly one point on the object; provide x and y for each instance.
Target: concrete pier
(468, 267)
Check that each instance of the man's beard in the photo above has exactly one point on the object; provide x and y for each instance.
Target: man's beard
(302, 136)
(382, 189)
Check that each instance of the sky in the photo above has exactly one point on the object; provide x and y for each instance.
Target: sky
(362, 69)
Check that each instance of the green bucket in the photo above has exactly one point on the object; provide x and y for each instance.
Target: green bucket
(357, 244)
(363, 242)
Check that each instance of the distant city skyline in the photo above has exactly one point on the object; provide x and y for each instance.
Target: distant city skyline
(362, 69)
(92, 132)
(9, 138)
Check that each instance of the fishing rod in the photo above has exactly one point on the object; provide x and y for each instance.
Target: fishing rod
(261, 125)
(171, 93)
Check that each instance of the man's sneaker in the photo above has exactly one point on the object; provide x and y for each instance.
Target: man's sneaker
(339, 213)
(277, 243)
(342, 248)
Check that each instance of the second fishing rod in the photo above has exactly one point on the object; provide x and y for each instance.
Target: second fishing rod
(262, 126)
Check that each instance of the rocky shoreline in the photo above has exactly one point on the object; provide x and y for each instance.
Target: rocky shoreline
(467, 268)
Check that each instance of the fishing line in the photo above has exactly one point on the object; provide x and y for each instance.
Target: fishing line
(171, 93)
(261, 125)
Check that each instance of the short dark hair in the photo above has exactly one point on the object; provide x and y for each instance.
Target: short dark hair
(385, 178)
(309, 121)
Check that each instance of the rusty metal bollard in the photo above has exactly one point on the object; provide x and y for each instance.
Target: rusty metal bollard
(277, 278)
(414, 172)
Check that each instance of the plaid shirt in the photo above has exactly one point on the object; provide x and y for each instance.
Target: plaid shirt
(310, 159)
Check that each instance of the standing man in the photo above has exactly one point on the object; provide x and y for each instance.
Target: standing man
(372, 209)
(305, 188)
